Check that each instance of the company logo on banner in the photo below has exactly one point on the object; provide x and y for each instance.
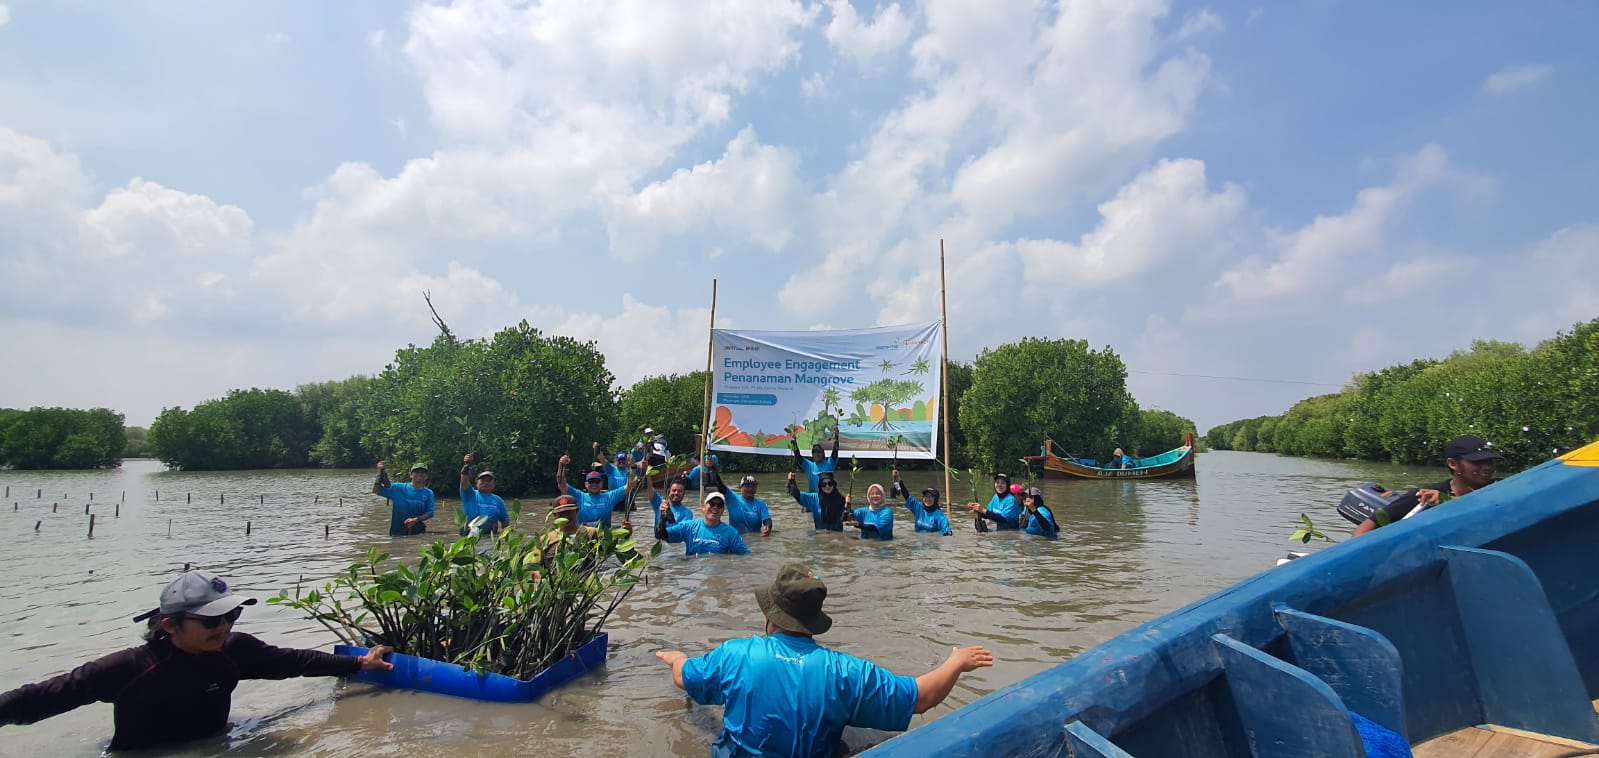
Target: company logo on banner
(875, 388)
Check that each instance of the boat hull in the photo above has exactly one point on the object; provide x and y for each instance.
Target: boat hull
(1173, 464)
(1481, 611)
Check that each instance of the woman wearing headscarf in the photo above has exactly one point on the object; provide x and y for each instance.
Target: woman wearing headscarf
(929, 517)
(825, 505)
(1036, 517)
(876, 520)
(1002, 508)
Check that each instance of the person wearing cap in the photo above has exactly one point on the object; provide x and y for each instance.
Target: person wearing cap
(1036, 517)
(711, 471)
(929, 517)
(411, 503)
(1471, 461)
(178, 686)
(785, 695)
(655, 446)
(616, 470)
(819, 461)
(826, 505)
(594, 502)
(478, 498)
(707, 534)
(746, 512)
(1002, 508)
(876, 520)
(564, 510)
(676, 511)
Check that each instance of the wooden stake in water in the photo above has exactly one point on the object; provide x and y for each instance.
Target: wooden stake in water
(246, 528)
(85, 509)
(263, 499)
(91, 497)
(36, 525)
(222, 498)
(189, 498)
(326, 529)
(158, 496)
(39, 494)
(118, 513)
(169, 535)
(91, 526)
(53, 507)
(124, 496)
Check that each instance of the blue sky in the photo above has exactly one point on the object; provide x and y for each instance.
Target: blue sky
(196, 197)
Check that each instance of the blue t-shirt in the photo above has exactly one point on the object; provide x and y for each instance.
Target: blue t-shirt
(408, 502)
(746, 515)
(812, 502)
(615, 477)
(928, 520)
(786, 695)
(1043, 524)
(1006, 507)
(882, 518)
(474, 504)
(703, 538)
(595, 510)
(680, 512)
(812, 468)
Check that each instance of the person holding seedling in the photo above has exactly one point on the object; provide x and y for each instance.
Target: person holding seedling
(746, 512)
(707, 534)
(819, 461)
(1036, 517)
(876, 520)
(929, 516)
(594, 502)
(478, 498)
(411, 503)
(826, 505)
(1002, 508)
(676, 511)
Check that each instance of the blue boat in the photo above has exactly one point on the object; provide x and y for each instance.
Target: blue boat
(428, 675)
(1464, 629)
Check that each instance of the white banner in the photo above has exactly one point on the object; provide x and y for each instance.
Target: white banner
(878, 388)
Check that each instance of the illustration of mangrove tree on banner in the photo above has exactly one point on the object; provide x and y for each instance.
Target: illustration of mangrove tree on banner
(870, 387)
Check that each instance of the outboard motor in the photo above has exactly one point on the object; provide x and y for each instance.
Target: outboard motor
(1364, 501)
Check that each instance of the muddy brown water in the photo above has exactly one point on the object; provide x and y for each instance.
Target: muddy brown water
(1130, 551)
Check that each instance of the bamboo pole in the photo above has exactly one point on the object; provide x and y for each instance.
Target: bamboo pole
(943, 311)
(705, 410)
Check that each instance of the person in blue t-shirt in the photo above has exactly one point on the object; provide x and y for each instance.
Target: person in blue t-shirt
(929, 517)
(818, 462)
(594, 502)
(785, 695)
(478, 498)
(746, 512)
(826, 505)
(615, 471)
(1002, 508)
(706, 534)
(677, 511)
(876, 520)
(412, 504)
(713, 476)
(1036, 517)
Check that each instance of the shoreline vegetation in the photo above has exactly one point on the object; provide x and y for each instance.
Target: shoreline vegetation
(520, 399)
(1532, 405)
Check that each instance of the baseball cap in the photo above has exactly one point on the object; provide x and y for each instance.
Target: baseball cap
(717, 496)
(1471, 448)
(594, 476)
(621, 456)
(748, 479)
(196, 593)
(1006, 477)
(563, 503)
(485, 475)
(648, 430)
(422, 467)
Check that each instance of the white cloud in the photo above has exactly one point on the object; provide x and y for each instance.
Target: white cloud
(1513, 78)
(814, 86)
(1200, 24)
(5, 15)
(645, 340)
(154, 220)
(863, 42)
(753, 191)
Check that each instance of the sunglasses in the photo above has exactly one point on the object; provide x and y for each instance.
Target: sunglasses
(212, 622)
(716, 506)
(828, 484)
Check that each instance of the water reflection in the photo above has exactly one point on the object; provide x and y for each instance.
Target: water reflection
(1128, 552)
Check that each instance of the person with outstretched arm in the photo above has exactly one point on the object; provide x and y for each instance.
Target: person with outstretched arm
(819, 461)
(746, 512)
(178, 686)
(616, 469)
(929, 516)
(1002, 508)
(704, 535)
(478, 498)
(826, 505)
(411, 504)
(594, 503)
(785, 695)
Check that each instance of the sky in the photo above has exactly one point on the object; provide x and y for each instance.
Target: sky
(1248, 202)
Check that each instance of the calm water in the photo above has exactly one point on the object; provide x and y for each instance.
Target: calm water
(1130, 552)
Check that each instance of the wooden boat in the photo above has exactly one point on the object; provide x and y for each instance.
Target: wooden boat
(1473, 626)
(1172, 464)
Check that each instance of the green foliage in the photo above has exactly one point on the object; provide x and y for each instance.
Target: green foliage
(1308, 532)
(247, 429)
(521, 399)
(333, 411)
(135, 447)
(1532, 405)
(513, 609)
(1154, 432)
(61, 438)
(1024, 391)
(671, 405)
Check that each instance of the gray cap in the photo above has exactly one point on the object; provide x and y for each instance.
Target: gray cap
(748, 479)
(198, 593)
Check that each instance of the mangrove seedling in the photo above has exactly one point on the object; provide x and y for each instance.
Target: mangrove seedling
(1308, 532)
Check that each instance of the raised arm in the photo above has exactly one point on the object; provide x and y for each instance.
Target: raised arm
(836, 437)
(381, 486)
(933, 686)
(467, 469)
(560, 472)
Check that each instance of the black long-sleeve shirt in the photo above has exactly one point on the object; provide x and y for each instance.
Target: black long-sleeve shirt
(162, 695)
